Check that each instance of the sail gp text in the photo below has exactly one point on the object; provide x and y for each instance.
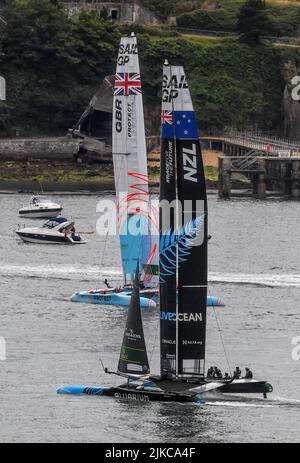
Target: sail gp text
(155, 453)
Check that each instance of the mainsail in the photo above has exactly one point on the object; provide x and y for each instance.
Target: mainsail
(183, 232)
(130, 161)
(133, 356)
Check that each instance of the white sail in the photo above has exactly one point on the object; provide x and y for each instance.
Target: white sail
(130, 160)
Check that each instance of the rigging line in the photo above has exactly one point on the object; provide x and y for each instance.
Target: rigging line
(119, 169)
(155, 339)
(176, 213)
(221, 337)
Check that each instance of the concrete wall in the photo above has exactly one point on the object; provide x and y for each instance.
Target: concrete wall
(23, 149)
(127, 12)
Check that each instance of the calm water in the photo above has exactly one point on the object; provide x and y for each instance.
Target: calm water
(254, 266)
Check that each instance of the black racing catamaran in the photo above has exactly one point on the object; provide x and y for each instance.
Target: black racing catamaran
(183, 264)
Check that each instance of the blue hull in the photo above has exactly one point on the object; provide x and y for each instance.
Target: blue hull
(82, 390)
(123, 300)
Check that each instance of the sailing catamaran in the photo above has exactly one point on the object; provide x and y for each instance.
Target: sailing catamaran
(183, 264)
(134, 208)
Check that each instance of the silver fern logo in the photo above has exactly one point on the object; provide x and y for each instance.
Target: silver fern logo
(176, 246)
(295, 81)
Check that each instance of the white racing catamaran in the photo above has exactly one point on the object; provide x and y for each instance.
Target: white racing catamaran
(137, 215)
(183, 268)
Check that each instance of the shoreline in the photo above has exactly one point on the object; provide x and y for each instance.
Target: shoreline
(37, 176)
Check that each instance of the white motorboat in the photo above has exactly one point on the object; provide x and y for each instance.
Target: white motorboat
(40, 208)
(56, 230)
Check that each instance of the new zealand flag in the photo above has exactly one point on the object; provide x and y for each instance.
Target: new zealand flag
(183, 125)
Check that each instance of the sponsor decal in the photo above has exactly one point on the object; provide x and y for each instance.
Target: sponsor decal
(169, 162)
(101, 298)
(130, 127)
(125, 51)
(118, 115)
(192, 343)
(189, 160)
(132, 396)
(171, 85)
(130, 334)
(181, 317)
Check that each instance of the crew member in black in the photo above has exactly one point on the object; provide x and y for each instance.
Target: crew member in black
(237, 373)
(210, 372)
(106, 283)
(219, 374)
(226, 376)
(249, 374)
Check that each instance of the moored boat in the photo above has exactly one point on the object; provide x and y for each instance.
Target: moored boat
(56, 230)
(40, 208)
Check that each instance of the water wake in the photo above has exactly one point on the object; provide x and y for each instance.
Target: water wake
(97, 273)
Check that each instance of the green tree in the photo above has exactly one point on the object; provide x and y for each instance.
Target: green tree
(253, 22)
(52, 64)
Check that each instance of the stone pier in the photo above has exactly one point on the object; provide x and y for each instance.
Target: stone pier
(268, 175)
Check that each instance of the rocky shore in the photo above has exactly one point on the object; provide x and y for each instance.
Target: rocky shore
(54, 175)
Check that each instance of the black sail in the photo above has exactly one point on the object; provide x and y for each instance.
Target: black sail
(133, 355)
(191, 240)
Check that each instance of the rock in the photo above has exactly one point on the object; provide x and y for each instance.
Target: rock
(291, 110)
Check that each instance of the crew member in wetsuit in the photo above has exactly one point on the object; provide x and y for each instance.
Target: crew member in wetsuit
(249, 374)
(237, 373)
(226, 376)
(210, 372)
(219, 373)
(106, 283)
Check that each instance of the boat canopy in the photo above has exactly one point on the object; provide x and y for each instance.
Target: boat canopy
(58, 220)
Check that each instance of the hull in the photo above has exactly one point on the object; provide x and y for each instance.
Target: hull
(244, 386)
(128, 394)
(102, 298)
(39, 214)
(43, 239)
(114, 299)
(172, 391)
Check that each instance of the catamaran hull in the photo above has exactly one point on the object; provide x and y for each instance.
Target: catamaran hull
(127, 394)
(113, 299)
(118, 299)
(235, 387)
(246, 386)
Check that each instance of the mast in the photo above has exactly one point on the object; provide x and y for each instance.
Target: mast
(133, 355)
(130, 160)
(183, 255)
(167, 196)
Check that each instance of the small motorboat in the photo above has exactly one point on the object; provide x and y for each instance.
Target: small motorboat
(40, 208)
(57, 230)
